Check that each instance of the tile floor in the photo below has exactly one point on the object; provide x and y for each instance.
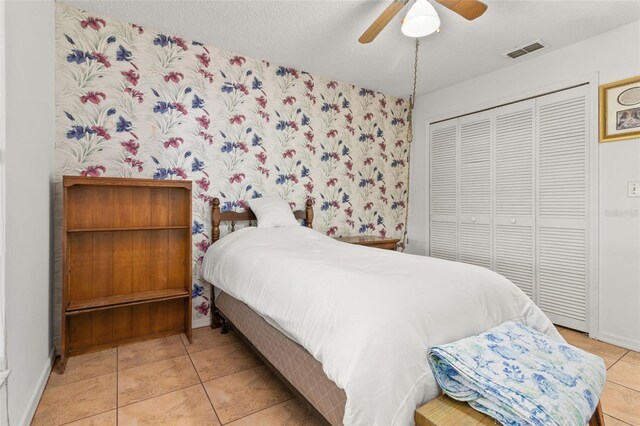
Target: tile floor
(621, 396)
(218, 380)
(215, 380)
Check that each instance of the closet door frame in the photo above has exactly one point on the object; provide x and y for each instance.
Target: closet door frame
(592, 79)
(593, 213)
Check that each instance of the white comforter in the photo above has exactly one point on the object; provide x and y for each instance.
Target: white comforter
(367, 315)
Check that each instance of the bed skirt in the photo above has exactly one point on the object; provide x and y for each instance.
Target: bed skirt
(291, 360)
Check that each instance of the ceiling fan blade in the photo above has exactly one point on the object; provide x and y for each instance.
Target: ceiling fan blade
(385, 17)
(469, 9)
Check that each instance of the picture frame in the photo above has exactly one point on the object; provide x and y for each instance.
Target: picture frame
(620, 110)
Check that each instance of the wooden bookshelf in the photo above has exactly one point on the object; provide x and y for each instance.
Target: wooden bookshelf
(127, 262)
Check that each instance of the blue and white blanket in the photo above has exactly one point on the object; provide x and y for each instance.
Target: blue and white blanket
(520, 376)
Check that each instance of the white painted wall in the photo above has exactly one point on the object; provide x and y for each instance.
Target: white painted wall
(4, 415)
(30, 118)
(614, 56)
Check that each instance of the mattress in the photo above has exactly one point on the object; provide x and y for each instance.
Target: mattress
(290, 359)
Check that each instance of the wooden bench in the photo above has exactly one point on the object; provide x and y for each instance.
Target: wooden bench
(445, 411)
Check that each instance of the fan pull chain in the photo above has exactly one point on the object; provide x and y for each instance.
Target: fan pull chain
(412, 100)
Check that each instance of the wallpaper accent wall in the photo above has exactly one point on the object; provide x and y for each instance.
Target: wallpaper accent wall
(133, 102)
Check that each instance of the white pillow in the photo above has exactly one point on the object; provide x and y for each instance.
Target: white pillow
(272, 212)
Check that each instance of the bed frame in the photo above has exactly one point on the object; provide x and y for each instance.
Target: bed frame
(304, 358)
(218, 216)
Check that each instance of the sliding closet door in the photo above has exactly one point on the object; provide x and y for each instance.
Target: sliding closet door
(510, 192)
(514, 194)
(563, 165)
(475, 189)
(443, 193)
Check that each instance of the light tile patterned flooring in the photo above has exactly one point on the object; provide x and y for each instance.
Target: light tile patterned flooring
(215, 380)
(218, 380)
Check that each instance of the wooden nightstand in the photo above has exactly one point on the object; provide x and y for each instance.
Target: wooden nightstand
(371, 241)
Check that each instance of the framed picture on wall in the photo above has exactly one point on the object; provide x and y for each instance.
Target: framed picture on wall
(620, 110)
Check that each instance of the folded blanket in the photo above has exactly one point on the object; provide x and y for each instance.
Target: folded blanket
(520, 376)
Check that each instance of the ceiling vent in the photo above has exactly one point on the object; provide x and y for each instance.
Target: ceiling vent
(525, 50)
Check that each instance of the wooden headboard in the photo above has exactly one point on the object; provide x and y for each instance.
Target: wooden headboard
(217, 216)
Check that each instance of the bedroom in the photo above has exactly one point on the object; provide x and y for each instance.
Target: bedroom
(516, 170)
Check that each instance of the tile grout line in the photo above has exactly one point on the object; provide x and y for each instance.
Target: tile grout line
(626, 423)
(215, 413)
(194, 367)
(151, 362)
(625, 354)
(618, 360)
(235, 372)
(228, 374)
(160, 394)
(624, 386)
(78, 380)
(83, 418)
(259, 411)
(214, 347)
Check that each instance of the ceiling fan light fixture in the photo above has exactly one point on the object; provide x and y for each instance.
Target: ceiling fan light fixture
(421, 20)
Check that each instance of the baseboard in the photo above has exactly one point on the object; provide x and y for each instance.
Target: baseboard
(37, 392)
(201, 322)
(624, 342)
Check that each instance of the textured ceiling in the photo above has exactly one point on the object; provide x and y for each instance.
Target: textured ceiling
(321, 36)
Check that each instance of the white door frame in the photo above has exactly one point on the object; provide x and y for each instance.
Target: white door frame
(593, 222)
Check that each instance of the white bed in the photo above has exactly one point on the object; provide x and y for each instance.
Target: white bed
(367, 315)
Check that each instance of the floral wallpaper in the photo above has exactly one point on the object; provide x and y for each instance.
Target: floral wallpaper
(134, 102)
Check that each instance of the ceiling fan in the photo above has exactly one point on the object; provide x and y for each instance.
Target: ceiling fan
(422, 19)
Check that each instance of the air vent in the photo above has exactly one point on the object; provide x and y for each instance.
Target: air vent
(525, 50)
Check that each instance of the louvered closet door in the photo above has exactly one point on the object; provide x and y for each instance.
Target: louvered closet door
(514, 194)
(563, 165)
(443, 193)
(474, 215)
